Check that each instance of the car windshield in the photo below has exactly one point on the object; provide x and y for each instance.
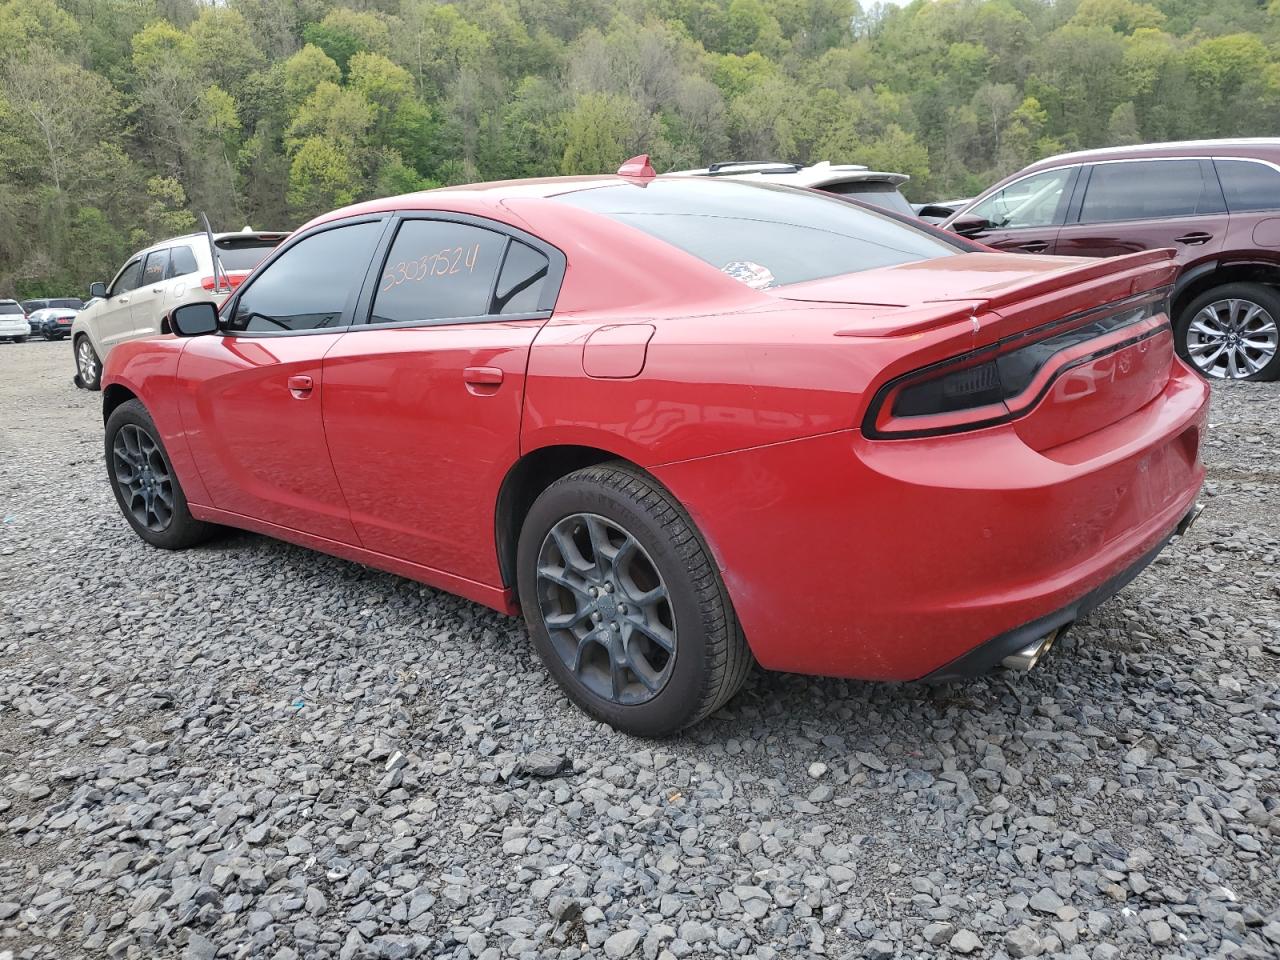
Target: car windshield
(762, 234)
(10, 308)
(243, 253)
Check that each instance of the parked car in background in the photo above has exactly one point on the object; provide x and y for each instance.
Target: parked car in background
(939, 210)
(843, 179)
(13, 321)
(52, 323)
(68, 303)
(155, 280)
(681, 422)
(1215, 202)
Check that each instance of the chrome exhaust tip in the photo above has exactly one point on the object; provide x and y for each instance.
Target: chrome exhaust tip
(1192, 516)
(1030, 655)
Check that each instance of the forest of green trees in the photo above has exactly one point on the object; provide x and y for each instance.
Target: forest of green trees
(119, 119)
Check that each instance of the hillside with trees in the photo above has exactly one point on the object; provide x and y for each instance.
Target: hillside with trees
(119, 119)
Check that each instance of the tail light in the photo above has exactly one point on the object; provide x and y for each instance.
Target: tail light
(1006, 379)
(233, 279)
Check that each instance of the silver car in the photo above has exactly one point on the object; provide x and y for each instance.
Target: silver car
(154, 281)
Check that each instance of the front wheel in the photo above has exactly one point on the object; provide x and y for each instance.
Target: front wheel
(146, 488)
(624, 603)
(88, 366)
(1231, 332)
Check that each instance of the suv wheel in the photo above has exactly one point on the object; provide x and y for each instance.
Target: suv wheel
(88, 366)
(625, 605)
(1232, 332)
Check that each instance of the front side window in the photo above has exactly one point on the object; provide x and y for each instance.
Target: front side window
(1149, 190)
(154, 267)
(1035, 201)
(762, 234)
(127, 279)
(312, 285)
(1249, 186)
(438, 270)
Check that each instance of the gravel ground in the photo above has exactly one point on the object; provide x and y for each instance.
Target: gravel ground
(250, 750)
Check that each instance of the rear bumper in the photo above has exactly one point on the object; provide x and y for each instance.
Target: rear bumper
(984, 659)
(891, 560)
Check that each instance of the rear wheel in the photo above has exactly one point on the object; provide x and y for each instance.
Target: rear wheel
(146, 488)
(1232, 332)
(625, 605)
(88, 366)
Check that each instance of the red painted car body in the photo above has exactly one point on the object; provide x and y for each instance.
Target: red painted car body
(853, 541)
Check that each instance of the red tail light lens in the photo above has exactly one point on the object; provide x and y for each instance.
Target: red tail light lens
(1008, 378)
(232, 280)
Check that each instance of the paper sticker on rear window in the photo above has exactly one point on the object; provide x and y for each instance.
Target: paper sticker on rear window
(752, 274)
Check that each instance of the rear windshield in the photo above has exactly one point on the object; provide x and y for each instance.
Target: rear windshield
(67, 303)
(10, 308)
(762, 234)
(875, 192)
(243, 253)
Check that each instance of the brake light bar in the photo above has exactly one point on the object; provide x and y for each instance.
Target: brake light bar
(1006, 379)
(233, 278)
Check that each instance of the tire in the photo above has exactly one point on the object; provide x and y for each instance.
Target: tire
(143, 481)
(1231, 332)
(650, 548)
(19, 339)
(88, 366)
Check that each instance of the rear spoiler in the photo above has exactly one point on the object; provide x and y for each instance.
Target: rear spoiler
(1116, 278)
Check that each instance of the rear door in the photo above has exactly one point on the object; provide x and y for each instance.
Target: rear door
(1026, 215)
(147, 305)
(1133, 205)
(252, 393)
(423, 401)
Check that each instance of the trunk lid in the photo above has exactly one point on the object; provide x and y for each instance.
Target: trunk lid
(1059, 347)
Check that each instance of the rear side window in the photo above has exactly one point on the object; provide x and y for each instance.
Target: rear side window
(154, 267)
(524, 272)
(762, 234)
(1249, 185)
(1150, 190)
(127, 280)
(243, 253)
(183, 262)
(311, 285)
(438, 270)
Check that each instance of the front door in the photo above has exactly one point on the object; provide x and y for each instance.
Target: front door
(253, 393)
(1025, 216)
(1135, 205)
(146, 305)
(114, 319)
(422, 404)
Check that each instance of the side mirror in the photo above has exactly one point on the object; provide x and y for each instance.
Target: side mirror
(98, 289)
(970, 225)
(194, 319)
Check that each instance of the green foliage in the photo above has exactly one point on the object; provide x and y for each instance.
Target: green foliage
(120, 121)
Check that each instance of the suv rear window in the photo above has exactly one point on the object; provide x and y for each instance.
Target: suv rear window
(243, 253)
(1249, 185)
(7, 308)
(875, 192)
(763, 234)
(68, 303)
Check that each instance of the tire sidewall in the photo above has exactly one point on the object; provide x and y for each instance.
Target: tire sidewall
(1263, 296)
(96, 383)
(178, 533)
(672, 708)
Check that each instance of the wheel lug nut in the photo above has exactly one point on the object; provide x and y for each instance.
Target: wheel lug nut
(595, 617)
(594, 592)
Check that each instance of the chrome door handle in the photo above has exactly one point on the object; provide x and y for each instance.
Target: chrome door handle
(1034, 246)
(157, 289)
(1194, 239)
(122, 300)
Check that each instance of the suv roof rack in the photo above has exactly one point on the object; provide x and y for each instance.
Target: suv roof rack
(767, 166)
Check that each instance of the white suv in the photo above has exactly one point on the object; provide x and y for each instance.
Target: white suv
(154, 281)
(13, 321)
(844, 179)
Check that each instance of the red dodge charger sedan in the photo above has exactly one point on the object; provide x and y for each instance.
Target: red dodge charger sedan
(681, 424)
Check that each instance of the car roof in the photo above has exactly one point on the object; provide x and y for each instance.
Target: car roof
(820, 174)
(200, 236)
(1228, 147)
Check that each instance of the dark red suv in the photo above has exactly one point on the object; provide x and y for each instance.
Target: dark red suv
(1216, 202)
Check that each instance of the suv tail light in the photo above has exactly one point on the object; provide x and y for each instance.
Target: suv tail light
(1006, 379)
(233, 278)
